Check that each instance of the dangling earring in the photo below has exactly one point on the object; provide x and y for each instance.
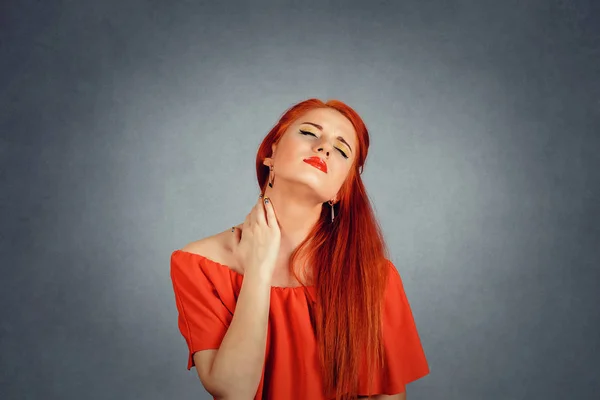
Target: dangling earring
(332, 212)
(272, 178)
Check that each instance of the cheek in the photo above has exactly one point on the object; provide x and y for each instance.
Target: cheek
(292, 145)
(341, 172)
(283, 152)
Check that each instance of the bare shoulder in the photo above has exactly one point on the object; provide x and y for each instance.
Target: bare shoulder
(204, 246)
(217, 247)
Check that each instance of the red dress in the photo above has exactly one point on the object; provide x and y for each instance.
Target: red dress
(206, 293)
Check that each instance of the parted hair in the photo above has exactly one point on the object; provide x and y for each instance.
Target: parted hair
(348, 258)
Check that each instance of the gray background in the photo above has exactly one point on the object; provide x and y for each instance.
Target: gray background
(129, 128)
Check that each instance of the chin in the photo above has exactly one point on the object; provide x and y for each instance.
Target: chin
(311, 182)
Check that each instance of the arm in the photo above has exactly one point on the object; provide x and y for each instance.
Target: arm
(399, 396)
(236, 369)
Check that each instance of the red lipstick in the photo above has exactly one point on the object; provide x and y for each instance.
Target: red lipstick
(317, 163)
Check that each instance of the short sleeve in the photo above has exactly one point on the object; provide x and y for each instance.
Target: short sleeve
(203, 317)
(404, 358)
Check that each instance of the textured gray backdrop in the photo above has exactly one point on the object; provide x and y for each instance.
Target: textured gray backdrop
(129, 128)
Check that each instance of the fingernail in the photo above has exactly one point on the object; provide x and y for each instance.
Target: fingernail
(266, 200)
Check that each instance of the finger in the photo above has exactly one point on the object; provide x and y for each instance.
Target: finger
(271, 217)
(237, 230)
(260, 213)
(254, 212)
(246, 225)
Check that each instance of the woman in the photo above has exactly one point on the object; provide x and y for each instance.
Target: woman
(300, 301)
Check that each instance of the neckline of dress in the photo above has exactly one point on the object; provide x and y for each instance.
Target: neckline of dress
(280, 288)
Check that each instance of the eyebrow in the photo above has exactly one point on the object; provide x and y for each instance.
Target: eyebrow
(341, 139)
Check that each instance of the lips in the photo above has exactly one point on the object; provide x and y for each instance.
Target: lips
(317, 163)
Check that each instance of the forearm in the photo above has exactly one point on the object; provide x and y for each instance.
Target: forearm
(237, 367)
(399, 396)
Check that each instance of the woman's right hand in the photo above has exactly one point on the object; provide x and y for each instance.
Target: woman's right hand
(258, 247)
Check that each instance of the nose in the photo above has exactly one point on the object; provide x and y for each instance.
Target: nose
(324, 147)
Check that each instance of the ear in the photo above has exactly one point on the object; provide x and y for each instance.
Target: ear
(336, 198)
(269, 160)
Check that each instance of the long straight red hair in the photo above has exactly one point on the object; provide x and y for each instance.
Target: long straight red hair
(348, 260)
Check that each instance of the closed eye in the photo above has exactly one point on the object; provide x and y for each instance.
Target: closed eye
(343, 154)
(312, 134)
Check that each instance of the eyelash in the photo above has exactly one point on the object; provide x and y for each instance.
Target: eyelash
(310, 133)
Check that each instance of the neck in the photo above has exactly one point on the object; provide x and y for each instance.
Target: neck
(297, 212)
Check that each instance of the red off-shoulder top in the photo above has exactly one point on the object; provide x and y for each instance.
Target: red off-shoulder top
(206, 293)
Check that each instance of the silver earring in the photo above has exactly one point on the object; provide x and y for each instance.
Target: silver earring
(332, 212)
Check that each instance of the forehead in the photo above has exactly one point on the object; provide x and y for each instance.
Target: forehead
(332, 121)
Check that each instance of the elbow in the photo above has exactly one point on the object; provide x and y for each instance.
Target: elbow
(211, 387)
(222, 391)
(233, 397)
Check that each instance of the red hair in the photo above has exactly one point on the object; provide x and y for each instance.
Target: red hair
(349, 266)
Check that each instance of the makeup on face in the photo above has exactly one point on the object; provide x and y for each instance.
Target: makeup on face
(341, 145)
